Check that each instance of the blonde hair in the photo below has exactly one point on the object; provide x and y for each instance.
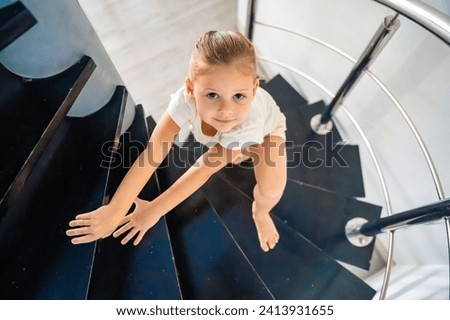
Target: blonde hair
(221, 48)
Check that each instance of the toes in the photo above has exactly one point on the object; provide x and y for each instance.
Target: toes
(264, 246)
(272, 244)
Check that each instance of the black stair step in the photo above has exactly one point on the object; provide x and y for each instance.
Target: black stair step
(321, 216)
(297, 111)
(39, 262)
(317, 214)
(295, 269)
(210, 265)
(299, 128)
(322, 160)
(15, 19)
(284, 94)
(333, 167)
(146, 271)
(30, 112)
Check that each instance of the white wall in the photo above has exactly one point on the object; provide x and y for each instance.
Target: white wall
(441, 5)
(414, 65)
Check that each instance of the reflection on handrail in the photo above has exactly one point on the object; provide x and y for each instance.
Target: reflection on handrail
(428, 17)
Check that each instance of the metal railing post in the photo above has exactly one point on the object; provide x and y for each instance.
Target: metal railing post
(250, 18)
(321, 123)
(360, 232)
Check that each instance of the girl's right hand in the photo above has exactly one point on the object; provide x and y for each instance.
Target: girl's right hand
(94, 225)
(138, 222)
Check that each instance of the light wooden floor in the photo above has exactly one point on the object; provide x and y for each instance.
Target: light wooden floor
(150, 41)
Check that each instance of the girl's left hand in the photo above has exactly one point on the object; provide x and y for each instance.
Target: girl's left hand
(138, 222)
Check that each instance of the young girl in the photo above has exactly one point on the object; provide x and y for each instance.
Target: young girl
(227, 112)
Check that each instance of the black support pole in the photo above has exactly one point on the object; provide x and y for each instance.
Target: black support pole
(378, 41)
(422, 215)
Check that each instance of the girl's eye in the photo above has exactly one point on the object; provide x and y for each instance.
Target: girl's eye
(239, 96)
(212, 96)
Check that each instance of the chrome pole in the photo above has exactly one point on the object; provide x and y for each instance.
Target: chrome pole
(322, 124)
(360, 232)
(250, 18)
(447, 226)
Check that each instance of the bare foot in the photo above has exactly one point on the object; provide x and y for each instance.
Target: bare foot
(267, 232)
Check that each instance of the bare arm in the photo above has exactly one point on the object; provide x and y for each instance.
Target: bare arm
(148, 161)
(102, 222)
(147, 214)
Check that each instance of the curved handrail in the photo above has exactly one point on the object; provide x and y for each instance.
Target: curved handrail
(435, 22)
(374, 159)
(390, 257)
(390, 95)
(431, 19)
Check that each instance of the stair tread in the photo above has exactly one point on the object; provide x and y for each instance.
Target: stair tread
(211, 266)
(295, 269)
(298, 112)
(15, 19)
(299, 128)
(336, 168)
(317, 158)
(283, 93)
(128, 272)
(68, 179)
(321, 217)
(318, 214)
(39, 106)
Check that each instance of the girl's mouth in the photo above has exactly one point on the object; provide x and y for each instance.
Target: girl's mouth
(225, 120)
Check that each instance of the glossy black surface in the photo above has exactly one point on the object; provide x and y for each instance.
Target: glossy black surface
(295, 269)
(317, 214)
(15, 19)
(30, 112)
(321, 160)
(210, 264)
(298, 112)
(332, 167)
(128, 272)
(321, 216)
(38, 260)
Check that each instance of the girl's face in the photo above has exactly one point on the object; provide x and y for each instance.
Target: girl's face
(223, 95)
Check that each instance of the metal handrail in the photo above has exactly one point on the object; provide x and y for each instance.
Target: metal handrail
(425, 214)
(374, 159)
(387, 199)
(376, 44)
(390, 95)
(438, 24)
(431, 19)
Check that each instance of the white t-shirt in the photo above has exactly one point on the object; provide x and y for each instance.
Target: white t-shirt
(264, 117)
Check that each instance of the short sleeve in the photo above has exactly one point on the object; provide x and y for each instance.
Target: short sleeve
(179, 109)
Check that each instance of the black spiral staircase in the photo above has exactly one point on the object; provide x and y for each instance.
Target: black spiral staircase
(55, 166)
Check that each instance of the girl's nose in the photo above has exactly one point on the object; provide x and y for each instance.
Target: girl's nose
(226, 108)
